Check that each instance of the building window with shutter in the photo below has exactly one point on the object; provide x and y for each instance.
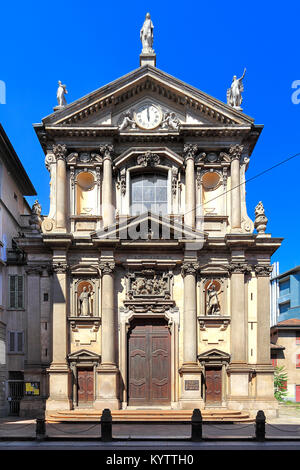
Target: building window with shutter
(16, 291)
(298, 361)
(15, 342)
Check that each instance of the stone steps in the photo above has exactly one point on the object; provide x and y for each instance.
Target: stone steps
(155, 415)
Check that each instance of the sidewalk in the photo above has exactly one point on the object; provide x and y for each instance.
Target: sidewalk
(287, 425)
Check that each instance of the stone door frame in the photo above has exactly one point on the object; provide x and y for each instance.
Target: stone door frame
(126, 316)
(83, 359)
(215, 358)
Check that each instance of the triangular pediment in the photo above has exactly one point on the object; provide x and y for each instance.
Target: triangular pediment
(106, 106)
(214, 355)
(83, 354)
(150, 228)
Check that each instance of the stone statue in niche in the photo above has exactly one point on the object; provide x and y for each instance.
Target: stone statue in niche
(85, 304)
(234, 93)
(212, 303)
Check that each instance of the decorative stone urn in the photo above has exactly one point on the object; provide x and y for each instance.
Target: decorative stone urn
(261, 220)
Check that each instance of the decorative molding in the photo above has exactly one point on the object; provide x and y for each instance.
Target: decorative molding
(60, 268)
(148, 159)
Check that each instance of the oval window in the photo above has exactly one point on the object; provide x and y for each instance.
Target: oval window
(85, 180)
(211, 180)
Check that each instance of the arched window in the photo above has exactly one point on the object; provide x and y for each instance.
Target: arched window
(149, 193)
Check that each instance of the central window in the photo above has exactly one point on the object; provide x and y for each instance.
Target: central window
(149, 193)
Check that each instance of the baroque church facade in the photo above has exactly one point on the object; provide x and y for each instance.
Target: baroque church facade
(147, 284)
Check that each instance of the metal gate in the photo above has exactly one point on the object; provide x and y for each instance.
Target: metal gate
(16, 393)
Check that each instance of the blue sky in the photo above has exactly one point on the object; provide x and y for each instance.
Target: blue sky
(88, 44)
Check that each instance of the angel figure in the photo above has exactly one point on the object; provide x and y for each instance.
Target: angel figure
(60, 95)
(170, 121)
(234, 93)
(126, 121)
(213, 306)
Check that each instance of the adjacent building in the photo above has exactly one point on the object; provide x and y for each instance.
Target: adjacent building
(285, 330)
(14, 214)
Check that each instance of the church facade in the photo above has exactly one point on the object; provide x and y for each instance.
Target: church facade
(147, 284)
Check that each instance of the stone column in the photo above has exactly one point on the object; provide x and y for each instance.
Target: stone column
(235, 153)
(60, 152)
(239, 323)
(190, 371)
(190, 151)
(108, 212)
(108, 372)
(263, 314)
(264, 370)
(59, 371)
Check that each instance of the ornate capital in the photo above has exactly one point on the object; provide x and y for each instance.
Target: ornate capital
(60, 151)
(263, 271)
(60, 268)
(190, 151)
(189, 267)
(239, 268)
(106, 151)
(107, 267)
(235, 151)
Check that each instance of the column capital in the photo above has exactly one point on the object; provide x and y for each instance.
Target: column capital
(60, 151)
(263, 270)
(189, 267)
(190, 151)
(235, 151)
(239, 268)
(60, 268)
(107, 267)
(106, 151)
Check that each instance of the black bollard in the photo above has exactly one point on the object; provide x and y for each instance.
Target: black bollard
(196, 426)
(106, 426)
(260, 426)
(40, 429)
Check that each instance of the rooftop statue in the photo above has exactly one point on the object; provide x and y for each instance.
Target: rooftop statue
(234, 93)
(146, 35)
(60, 95)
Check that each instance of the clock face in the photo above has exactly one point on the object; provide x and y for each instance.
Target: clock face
(148, 116)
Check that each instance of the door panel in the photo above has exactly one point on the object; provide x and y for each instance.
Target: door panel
(213, 379)
(85, 385)
(149, 363)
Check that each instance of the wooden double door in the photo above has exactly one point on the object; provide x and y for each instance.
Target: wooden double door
(149, 363)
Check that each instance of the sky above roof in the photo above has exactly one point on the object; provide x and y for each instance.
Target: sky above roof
(89, 44)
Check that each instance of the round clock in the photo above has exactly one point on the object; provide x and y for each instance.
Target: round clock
(148, 116)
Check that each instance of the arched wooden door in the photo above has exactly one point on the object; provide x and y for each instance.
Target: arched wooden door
(149, 363)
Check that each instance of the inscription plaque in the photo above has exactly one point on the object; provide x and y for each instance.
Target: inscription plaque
(191, 384)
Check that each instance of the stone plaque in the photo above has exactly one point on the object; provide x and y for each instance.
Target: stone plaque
(191, 384)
